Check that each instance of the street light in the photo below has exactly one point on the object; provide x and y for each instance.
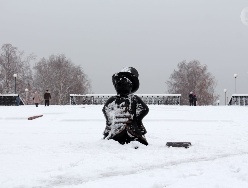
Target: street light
(26, 90)
(225, 90)
(15, 75)
(235, 76)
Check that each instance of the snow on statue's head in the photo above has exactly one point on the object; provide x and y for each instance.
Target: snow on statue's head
(126, 81)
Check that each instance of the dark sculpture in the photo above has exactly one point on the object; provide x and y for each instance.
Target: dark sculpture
(125, 111)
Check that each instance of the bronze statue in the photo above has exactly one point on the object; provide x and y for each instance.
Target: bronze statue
(125, 111)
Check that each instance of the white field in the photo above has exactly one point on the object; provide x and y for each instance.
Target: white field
(65, 149)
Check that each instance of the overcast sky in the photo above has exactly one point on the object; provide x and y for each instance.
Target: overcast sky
(151, 35)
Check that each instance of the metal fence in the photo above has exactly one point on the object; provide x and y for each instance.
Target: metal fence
(150, 99)
(9, 100)
(239, 99)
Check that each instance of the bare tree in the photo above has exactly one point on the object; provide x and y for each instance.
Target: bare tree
(194, 77)
(13, 62)
(61, 77)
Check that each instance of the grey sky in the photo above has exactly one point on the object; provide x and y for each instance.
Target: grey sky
(151, 35)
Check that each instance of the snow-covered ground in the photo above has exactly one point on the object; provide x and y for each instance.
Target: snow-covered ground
(65, 149)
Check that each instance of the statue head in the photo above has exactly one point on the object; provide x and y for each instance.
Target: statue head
(126, 81)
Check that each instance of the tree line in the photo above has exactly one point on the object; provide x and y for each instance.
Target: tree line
(56, 73)
(61, 77)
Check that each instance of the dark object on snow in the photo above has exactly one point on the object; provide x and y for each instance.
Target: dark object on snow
(34, 117)
(125, 111)
(178, 144)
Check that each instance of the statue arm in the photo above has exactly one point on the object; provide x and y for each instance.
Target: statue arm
(141, 109)
(106, 109)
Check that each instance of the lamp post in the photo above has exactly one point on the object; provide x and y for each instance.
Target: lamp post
(26, 90)
(225, 90)
(15, 75)
(235, 76)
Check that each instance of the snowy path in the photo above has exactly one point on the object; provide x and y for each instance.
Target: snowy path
(64, 148)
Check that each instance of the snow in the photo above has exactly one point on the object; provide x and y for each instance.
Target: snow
(65, 149)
